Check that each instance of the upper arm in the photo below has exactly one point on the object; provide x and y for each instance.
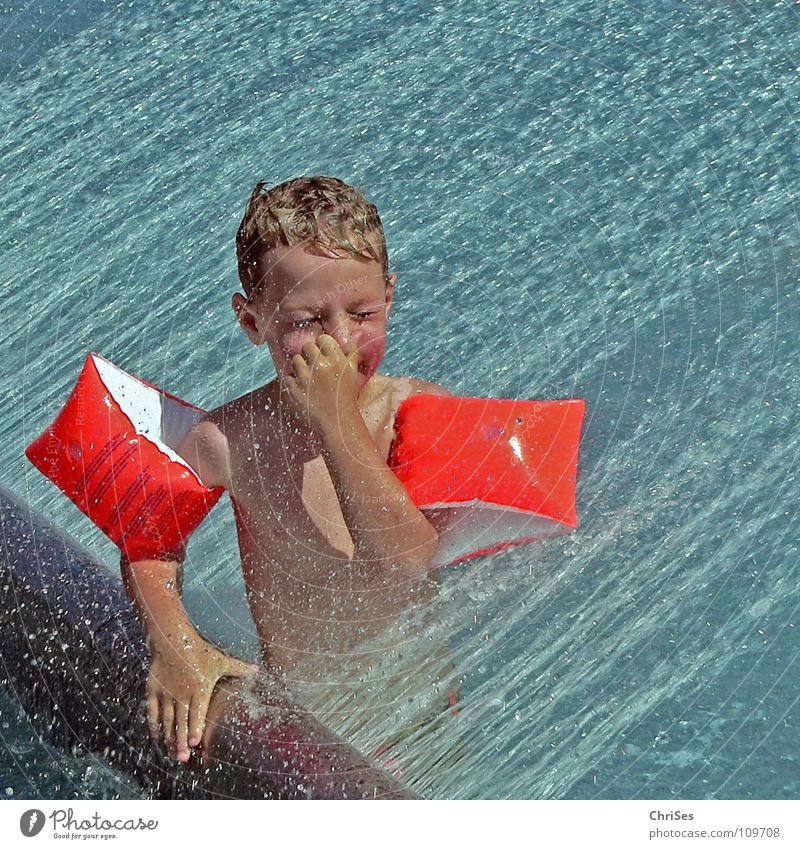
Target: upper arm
(205, 449)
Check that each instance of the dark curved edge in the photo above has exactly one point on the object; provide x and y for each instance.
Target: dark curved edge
(73, 652)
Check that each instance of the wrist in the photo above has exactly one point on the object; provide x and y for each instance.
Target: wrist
(342, 426)
(173, 630)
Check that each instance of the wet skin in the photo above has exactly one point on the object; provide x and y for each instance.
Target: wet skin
(333, 550)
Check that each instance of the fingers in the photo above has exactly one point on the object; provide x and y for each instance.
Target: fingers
(301, 368)
(181, 729)
(291, 386)
(323, 344)
(168, 721)
(327, 344)
(153, 714)
(353, 359)
(174, 723)
(197, 715)
(310, 352)
(303, 363)
(183, 721)
(296, 393)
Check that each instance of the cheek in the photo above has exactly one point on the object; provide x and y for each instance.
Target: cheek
(285, 346)
(291, 345)
(372, 346)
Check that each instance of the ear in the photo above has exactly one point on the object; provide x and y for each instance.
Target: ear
(247, 317)
(390, 281)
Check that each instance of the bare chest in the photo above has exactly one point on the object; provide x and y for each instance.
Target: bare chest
(284, 497)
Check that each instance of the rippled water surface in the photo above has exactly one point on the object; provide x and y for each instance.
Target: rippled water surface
(581, 199)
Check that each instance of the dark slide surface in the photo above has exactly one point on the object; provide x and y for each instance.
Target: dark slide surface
(74, 654)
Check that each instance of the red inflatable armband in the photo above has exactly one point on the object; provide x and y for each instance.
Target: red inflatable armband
(112, 451)
(496, 472)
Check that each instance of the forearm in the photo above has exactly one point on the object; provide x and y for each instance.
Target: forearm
(154, 586)
(385, 524)
(184, 668)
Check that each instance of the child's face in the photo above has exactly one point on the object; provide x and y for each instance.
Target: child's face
(306, 293)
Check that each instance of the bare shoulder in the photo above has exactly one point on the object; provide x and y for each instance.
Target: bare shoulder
(205, 449)
(405, 387)
(207, 446)
(425, 387)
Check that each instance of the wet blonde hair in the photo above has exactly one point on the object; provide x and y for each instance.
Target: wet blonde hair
(321, 210)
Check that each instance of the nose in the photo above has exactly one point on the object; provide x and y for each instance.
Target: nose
(343, 331)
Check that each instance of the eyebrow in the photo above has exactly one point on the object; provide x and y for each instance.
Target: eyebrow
(363, 302)
(293, 310)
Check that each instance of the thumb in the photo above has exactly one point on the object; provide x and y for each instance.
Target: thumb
(239, 668)
(353, 359)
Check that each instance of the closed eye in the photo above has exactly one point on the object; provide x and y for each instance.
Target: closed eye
(303, 323)
(363, 316)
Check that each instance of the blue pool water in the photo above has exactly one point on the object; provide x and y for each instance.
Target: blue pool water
(581, 199)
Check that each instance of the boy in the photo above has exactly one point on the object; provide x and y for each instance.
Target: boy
(333, 549)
